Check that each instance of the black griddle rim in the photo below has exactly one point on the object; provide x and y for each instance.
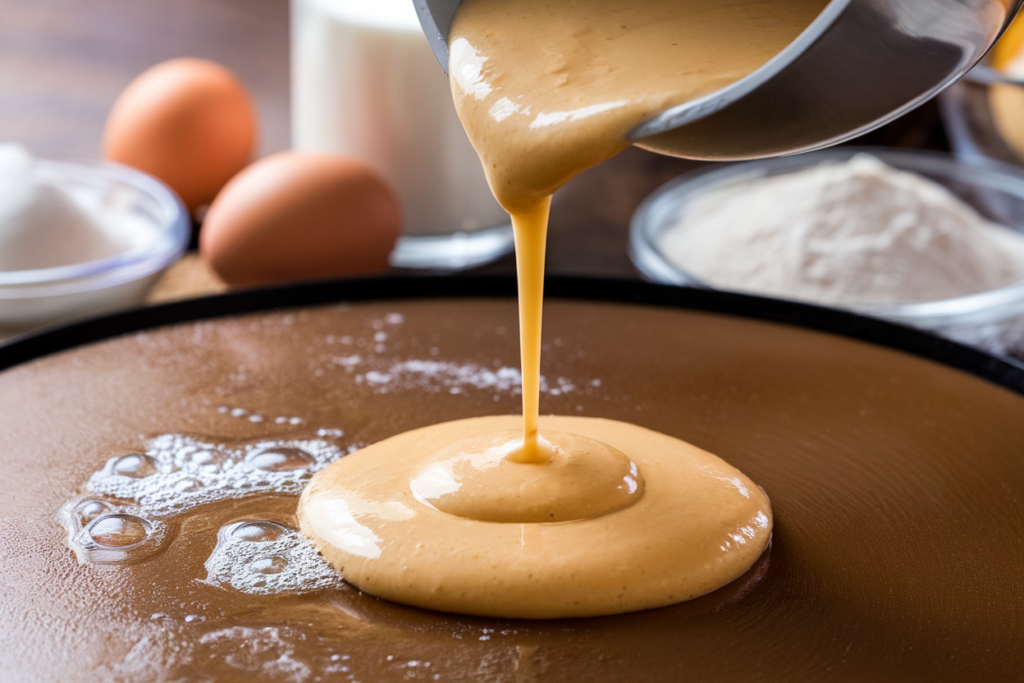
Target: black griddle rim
(1003, 372)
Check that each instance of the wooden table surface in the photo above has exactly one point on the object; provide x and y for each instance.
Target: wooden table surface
(63, 62)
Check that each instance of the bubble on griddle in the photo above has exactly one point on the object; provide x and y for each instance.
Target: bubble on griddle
(258, 532)
(118, 531)
(183, 472)
(269, 565)
(206, 459)
(135, 466)
(263, 557)
(278, 459)
(89, 509)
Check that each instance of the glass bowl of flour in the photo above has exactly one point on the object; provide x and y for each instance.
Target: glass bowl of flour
(917, 238)
(80, 238)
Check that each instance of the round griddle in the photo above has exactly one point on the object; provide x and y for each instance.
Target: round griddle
(894, 460)
(1006, 372)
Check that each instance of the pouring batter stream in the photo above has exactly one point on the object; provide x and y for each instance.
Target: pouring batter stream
(471, 516)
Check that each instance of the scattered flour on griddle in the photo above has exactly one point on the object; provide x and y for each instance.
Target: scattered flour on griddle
(438, 376)
(264, 651)
(371, 365)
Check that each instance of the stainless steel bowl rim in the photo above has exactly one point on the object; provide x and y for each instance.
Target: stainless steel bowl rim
(436, 29)
(774, 90)
(705, 106)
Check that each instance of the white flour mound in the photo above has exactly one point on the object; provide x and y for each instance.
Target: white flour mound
(858, 232)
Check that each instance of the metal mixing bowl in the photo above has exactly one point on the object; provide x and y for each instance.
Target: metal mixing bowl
(860, 64)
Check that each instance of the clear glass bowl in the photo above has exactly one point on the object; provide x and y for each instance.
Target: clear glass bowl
(29, 298)
(992, 320)
(970, 123)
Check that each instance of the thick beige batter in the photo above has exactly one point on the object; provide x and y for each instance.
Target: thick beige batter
(697, 523)
(604, 517)
(546, 89)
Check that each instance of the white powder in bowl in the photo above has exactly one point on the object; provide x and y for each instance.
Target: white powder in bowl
(42, 226)
(858, 232)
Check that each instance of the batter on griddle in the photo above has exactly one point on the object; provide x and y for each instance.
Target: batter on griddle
(452, 517)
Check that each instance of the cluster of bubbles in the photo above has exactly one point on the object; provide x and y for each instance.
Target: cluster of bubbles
(262, 557)
(128, 510)
(112, 532)
(177, 473)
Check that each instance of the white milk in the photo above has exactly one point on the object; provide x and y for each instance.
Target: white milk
(365, 84)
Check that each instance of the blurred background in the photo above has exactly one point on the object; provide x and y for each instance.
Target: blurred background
(64, 64)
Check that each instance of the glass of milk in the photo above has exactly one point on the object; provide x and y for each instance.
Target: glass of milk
(365, 84)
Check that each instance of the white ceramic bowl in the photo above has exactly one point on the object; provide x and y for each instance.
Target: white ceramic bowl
(992, 320)
(30, 298)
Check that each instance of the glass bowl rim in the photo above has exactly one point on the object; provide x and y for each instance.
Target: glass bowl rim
(169, 243)
(978, 308)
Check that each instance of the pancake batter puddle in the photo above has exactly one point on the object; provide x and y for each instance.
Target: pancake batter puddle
(478, 533)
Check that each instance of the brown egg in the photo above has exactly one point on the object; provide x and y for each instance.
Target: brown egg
(298, 216)
(189, 122)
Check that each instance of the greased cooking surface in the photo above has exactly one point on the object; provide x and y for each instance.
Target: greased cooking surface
(908, 569)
